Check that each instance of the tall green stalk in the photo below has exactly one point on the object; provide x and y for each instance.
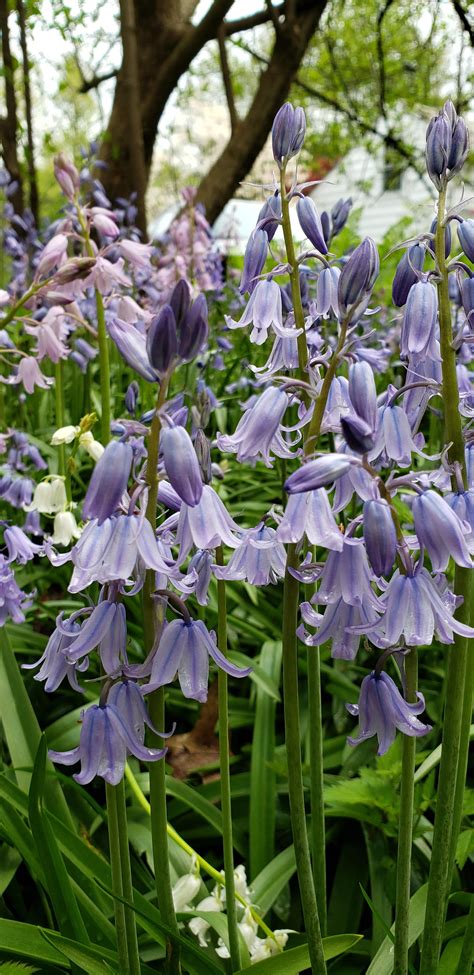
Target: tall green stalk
(116, 871)
(226, 803)
(104, 365)
(60, 422)
(311, 909)
(134, 967)
(456, 723)
(159, 823)
(405, 831)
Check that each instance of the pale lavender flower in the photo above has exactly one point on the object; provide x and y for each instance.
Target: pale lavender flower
(414, 611)
(254, 260)
(54, 664)
(310, 223)
(380, 536)
(288, 132)
(105, 628)
(337, 624)
(106, 741)
(260, 559)
(53, 254)
(440, 531)
(318, 473)
(258, 431)
(206, 525)
(263, 311)
(419, 321)
(326, 296)
(19, 547)
(181, 464)
(139, 255)
(382, 710)
(29, 373)
(13, 601)
(405, 275)
(131, 344)
(309, 513)
(108, 482)
(184, 648)
(346, 574)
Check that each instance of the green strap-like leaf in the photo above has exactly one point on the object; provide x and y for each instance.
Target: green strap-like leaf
(295, 960)
(382, 963)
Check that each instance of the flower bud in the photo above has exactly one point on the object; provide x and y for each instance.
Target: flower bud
(270, 214)
(466, 238)
(357, 279)
(162, 341)
(108, 482)
(288, 132)
(131, 397)
(193, 330)
(52, 254)
(420, 317)
(359, 436)
(318, 473)
(379, 536)
(203, 454)
(326, 225)
(447, 239)
(310, 223)
(447, 145)
(93, 447)
(180, 300)
(74, 270)
(65, 528)
(64, 435)
(459, 148)
(362, 392)
(66, 175)
(50, 496)
(254, 260)
(339, 215)
(103, 221)
(467, 294)
(181, 464)
(405, 276)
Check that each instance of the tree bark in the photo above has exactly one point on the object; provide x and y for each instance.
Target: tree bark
(30, 154)
(9, 122)
(130, 82)
(250, 134)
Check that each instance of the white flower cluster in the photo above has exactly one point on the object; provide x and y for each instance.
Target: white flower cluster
(187, 888)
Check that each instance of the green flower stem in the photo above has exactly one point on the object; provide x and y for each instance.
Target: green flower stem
(204, 864)
(60, 422)
(226, 804)
(456, 723)
(405, 831)
(295, 775)
(159, 821)
(117, 884)
(318, 827)
(312, 907)
(134, 966)
(294, 279)
(10, 315)
(104, 364)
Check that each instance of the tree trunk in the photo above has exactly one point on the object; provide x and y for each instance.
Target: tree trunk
(30, 154)
(167, 43)
(129, 79)
(250, 134)
(9, 122)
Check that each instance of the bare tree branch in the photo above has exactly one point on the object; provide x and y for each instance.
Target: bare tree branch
(97, 80)
(463, 17)
(263, 16)
(226, 78)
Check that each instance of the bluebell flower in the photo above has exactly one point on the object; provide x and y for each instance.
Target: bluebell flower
(260, 559)
(346, 574)
(414, 611)
(462, 503)
(19, 547)
(105, 743)
(131, 344)
(357, 280)
(318, 473)
(288, 132)
(181, 464)
(339, 624)
(108, 482)
(105, 628)
(382, 710)
(13, 601)
(309, 513)
(263, 311)
(466, 237)
(206, 525)
(310, 223)
(326, 294)
(258, 431)
(380, 536)
(405, 276)
(162, 342)
(184, 648)
(54, 664)
(270, 215)
(420, 320)
(254, 260)
(440, 531)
